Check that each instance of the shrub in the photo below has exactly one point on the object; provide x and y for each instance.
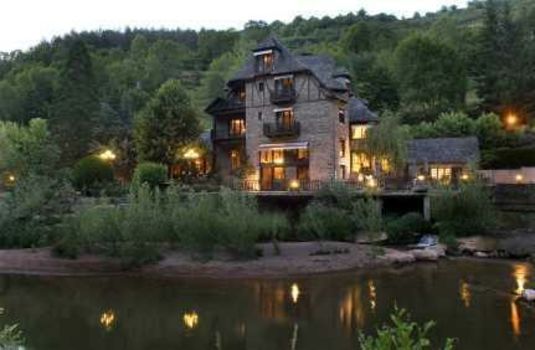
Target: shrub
(90, 173)
(367, 216)
(402, 334)
(323, 222)
(404, 229)
(466, 211)
(153, 174)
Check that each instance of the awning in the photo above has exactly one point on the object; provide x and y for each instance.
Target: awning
(294, 145)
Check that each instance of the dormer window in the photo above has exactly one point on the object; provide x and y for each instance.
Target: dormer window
(284, 83)
(264, 61)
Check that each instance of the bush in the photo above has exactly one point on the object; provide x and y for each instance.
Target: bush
(467, 211)
(402, 334)
(367, 216)
(90, 173)
(509, 158)
(404, 229)
(323, 222)
(153, 174)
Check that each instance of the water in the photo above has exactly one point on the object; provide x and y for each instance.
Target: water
(469, 300)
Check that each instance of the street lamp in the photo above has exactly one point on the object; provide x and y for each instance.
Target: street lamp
(191, 154)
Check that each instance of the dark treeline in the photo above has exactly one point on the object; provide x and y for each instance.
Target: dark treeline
(91, 85)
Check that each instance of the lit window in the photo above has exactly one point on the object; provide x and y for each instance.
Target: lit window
(235, 159)
(237, 127)
(266, 157)
(284, 84)
(302, 154)
(441, 173)
(278, 156)
(285, 118)
(359, 132)
(360, 161)
(264, 63)
(385, 165)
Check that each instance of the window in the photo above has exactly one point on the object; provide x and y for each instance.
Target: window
(260, 116)
(360, 161)
(284, 84)
(341, 115)
(385, 165)
(266, 157)
(235, 159)
(241, 94)
(441, 173)
(342, 148)
(359, 132)
(264, 62)
(285, 118)
(278, 156)
(261, 87)
(302, 154)
(237, 127)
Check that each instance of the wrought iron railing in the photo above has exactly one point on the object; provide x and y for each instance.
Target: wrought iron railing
(282, 129)
(283, 96)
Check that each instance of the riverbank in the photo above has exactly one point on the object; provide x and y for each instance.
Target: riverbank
(303, 258)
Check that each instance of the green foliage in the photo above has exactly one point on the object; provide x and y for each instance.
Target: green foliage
(167, 124)
(404, 229)
(389, 140)
(467, 211)
(27, 149)
(323, 222)
(199, 222)
(91, 172)
(367, 216)
(153, 174)
(431, 76)
(401, 334)
(510, 158)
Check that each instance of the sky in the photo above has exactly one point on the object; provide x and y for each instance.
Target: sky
(24, 23)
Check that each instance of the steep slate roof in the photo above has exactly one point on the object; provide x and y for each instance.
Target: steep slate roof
(452, 150)
(323, 67)
(359, 112)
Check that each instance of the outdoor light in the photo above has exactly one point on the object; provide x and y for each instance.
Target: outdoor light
(465, 177)
(191, 320)
(511, 120)
(371, 182)
(107, 155)
(294, 185)
(191, 154)
(11, 178)
(519, 178)
(420, 178)
(360, 177)
(107, 319)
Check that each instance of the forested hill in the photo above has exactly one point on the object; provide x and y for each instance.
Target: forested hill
(475, 59)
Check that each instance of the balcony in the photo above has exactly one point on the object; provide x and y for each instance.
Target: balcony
(283, 96)
(292, 129)
(225, 135)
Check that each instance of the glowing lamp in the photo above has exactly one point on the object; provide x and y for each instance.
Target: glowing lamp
(519, 178)
(371, 182)
(294, 185)
(11, 178)
(465, 177)
(191, 320)
(294, 291)
(191, 154)
(420, 178)
(107, 319)
(107, 155)
(511, 120)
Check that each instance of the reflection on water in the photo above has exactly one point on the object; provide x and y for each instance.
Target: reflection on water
(191, 320)
(520, 272)
(466, 295)
(108, 319)
(373, 294)
(295, 293)
(468, 300)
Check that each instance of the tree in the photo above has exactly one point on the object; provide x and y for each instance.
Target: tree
(167, 124)
(76, 109)
(357, 38)
(388, 140)
(431, 76)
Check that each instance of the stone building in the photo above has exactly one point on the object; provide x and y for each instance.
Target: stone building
(289, 121)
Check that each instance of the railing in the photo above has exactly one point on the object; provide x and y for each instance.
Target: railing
(224, 135)
(282, 129)
(292, 185)
(283, 96)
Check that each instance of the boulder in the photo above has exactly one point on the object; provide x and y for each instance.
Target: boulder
(481, 255)
(477, 244)
(371, 238)
(425, 254)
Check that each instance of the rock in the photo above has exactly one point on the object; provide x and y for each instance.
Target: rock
(477, 244)
(398, 257)
(481, 255)
(425, 254)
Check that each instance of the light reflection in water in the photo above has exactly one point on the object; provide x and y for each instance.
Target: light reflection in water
(515, 318)
(373, 294)
(351, 310)
(108, 319)
(293, 342)
(465, 293)
(294, 292)
(191, 320)
(520, 272)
